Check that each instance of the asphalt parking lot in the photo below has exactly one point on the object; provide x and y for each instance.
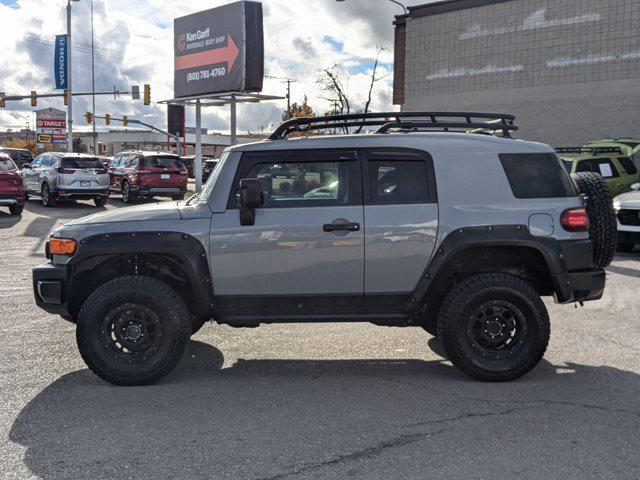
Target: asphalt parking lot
(315, 401)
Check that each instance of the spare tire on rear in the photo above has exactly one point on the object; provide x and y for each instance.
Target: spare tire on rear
(602, 217)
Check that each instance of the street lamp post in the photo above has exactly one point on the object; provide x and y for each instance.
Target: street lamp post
(392, 1)
(69, 87)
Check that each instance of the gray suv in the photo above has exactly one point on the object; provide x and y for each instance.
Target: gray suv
(419, 223)
(55, 175)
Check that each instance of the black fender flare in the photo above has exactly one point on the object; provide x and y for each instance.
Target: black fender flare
(493, 236)
(185, 249)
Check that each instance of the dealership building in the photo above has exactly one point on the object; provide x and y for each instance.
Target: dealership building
(568, 69)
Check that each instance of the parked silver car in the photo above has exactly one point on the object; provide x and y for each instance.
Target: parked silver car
(57, 175)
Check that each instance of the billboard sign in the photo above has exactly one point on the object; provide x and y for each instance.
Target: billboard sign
(219, 50)
(60, 62)
(51, 126)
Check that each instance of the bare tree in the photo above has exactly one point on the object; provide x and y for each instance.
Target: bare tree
(331, 84)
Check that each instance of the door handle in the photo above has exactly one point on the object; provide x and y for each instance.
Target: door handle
(335, 227)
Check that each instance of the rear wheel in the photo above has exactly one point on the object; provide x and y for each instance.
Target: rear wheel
(16, 209)
(100, 201)
(133, 330)
(48, 198)
(494, 327)
(602, 217)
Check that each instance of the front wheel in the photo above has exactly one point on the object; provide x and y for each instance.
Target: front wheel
(127, 195)
(625, 244)
(494, 327)
(133, 330)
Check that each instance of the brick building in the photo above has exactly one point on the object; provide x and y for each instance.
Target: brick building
(568, 69)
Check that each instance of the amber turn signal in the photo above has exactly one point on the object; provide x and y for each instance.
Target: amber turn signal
(62, 246)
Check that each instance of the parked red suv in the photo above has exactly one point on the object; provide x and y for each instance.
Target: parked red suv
(148, 174)
(11, 186)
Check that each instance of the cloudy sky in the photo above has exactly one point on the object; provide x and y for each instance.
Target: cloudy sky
(135, 44)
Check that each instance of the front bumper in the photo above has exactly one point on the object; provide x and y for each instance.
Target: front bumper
(49, 288)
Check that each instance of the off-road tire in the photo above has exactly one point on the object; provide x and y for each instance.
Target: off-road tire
(100, 201)
(430, 324)
(105, 358)
(16, 209)
(47, 196)
(196, 325)
(602, 217)
(625, 244)
(483, 292)
(128, 196)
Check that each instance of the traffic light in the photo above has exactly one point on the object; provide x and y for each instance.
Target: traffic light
(107, 119)
(125, 120)
(34, 98)
(147, 94)
(89, 117)
(3, 103)
(65, 97)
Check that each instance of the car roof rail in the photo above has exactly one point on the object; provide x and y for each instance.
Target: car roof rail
(466, 122)
(589, 150)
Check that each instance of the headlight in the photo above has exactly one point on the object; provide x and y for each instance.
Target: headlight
(616, 206)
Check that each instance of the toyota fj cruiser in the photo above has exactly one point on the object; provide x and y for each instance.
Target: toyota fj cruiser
(418, 223)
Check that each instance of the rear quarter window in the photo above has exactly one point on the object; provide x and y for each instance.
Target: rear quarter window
(537, 175)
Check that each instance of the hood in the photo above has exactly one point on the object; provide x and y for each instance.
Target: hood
(628, 200)
(138, 213)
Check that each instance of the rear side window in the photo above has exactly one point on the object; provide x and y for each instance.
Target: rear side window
(81, 163)
(628, 165)
(537, 175)
(603, 166)
(398, 182)
(162, 162)
(6, 165)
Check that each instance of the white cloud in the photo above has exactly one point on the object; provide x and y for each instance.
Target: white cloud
(136, 41)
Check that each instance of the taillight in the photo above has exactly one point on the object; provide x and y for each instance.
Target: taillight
(63, 170)
(184, 172)
(575, 220)
(144, 172)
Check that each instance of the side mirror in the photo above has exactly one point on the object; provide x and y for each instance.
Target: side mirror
(26, 165)
(636, 187)
(251, 197)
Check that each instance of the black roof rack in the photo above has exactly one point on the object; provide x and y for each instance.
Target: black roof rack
(591, 150)
(469, 122)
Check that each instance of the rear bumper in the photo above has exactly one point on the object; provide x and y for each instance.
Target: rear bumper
(579, 281)
(161, 191)
(49, 288)
(579, 286)
(12, 199)
(82, 193)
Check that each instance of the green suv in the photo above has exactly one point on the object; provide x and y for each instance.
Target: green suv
(630, 147)
(617, 168)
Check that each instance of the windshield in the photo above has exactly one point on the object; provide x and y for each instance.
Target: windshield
(208, 188)
(81, 163)
(162, 162)
(6, 165)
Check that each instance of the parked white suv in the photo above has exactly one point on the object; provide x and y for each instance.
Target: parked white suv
(56, 175)
(627, 208)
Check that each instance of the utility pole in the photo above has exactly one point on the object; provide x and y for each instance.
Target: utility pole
(288, 81)
(93, 87)
(69, 87)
